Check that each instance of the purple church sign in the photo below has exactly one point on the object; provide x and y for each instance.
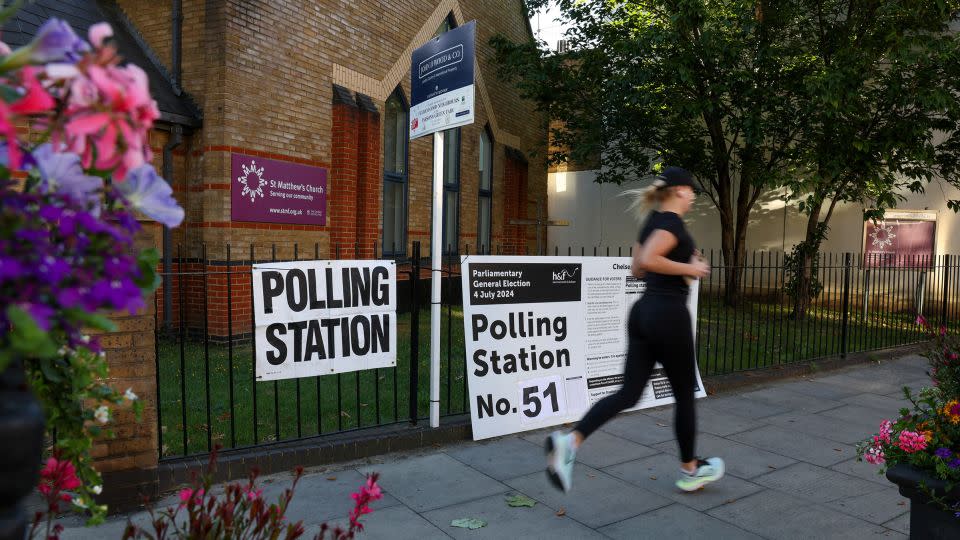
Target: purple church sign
(270, 191)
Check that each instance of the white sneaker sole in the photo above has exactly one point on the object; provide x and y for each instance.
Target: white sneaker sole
(552, 475)
(702, 481)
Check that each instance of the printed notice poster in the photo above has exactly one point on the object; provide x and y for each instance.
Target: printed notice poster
(321, 317)
(546, 339)
(270, 191)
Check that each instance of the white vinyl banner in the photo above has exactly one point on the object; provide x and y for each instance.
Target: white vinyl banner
(321, 317)
(546, 338)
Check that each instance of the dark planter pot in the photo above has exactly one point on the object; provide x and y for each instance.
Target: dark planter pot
(21, 448)
(927, 521)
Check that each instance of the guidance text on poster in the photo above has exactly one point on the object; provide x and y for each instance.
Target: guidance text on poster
(546, 338)
(321, 317)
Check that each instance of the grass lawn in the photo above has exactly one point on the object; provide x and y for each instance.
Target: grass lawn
(346, 401)
(751, 336)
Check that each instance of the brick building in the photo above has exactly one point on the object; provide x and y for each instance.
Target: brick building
(324, 84)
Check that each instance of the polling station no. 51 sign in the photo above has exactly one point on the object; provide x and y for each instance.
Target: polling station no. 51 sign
(322, 317)
(546, 338)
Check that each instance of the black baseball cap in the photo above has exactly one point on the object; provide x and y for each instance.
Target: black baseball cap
(676, 176)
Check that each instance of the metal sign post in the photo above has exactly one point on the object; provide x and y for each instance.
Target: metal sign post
(441, 98)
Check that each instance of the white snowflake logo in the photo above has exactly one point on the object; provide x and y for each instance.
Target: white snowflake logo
(252, 180)
(882, 236)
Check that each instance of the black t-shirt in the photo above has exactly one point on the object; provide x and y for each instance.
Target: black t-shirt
(670, 222)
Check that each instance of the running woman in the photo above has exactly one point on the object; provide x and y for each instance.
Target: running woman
(659, 330)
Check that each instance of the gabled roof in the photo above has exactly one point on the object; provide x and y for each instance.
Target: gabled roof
(176, 106)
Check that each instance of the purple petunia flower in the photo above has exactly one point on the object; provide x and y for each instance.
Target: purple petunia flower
(56, 42)
(11, 269)
(53, 270)
(954, 464)
(943, 453)
(147, 192)
(41, 314)
(62, 173)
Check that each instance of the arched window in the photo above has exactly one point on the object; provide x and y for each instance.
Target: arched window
(395, 146)
(485, 204)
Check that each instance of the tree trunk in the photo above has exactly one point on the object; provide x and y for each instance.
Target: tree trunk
(811, 249)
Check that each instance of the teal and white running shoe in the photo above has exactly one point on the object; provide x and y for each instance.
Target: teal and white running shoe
(708, 470)
(560, 457)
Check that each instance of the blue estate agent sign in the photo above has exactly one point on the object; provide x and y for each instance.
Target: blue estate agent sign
(441, 78)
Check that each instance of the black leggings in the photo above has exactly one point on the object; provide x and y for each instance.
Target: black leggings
(659, 330)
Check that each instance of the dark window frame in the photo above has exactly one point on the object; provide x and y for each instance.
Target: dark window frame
(484, 243)
(448, 247)
(402, 179)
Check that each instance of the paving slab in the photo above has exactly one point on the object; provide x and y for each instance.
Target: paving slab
(659, 473)
(744, 407)
(716, 422)
(742, 460)
(776, 515)
(877, 385)
(817, 484)
(885, 403)
(433, 481)
(597, 499)
(878, 507)
(321, 497)
(864, 420)
(397, 522)
(797, 445)
(640, 428)
(783, 396)
(603, 449)
(540, 522)
(813, 387)
(863, 470)
(676, 521)
(503, 458)
(826, 427)
(900, 524)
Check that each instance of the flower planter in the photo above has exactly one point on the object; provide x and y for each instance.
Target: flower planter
(927, 520)
(21, 448)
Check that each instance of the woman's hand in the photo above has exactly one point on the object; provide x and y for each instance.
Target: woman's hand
(698, 267)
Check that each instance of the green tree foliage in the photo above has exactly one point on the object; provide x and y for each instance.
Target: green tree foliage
(881, 111)
(709, 86)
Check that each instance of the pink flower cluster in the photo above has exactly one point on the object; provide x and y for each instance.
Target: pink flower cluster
(58, 475)
(875, 454)
(110, 111)
(911, 441)
(368, 493)
(886, 429)
(188, 495)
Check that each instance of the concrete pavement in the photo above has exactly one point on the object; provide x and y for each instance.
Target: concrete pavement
(791, 473)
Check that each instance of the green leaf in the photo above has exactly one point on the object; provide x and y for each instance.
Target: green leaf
(147, 261)
(468, 523)
(49, 369)
(92, 320)
(27, 338)
(520, 500)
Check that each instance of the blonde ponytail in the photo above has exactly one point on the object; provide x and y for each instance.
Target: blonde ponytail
(645, 198)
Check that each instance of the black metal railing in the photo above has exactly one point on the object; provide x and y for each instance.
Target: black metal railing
(205, 353)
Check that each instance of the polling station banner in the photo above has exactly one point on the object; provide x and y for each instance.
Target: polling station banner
(546, 338)
(322, 317)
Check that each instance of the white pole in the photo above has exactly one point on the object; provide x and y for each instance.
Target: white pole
(435, 277)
